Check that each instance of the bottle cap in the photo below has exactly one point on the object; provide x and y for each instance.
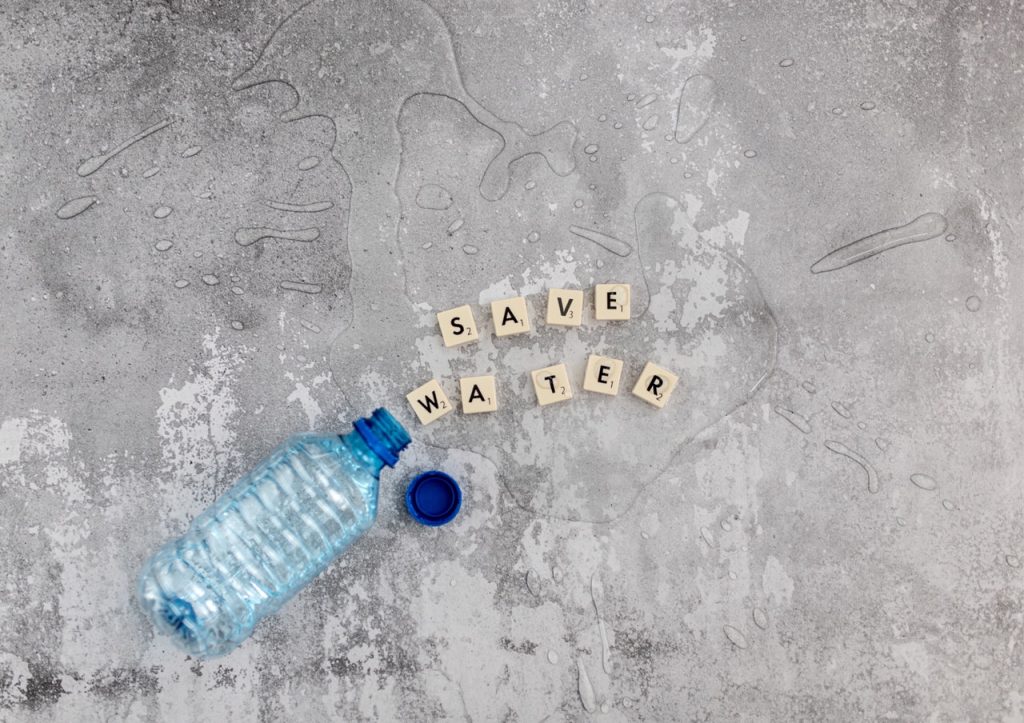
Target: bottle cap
(433, 498)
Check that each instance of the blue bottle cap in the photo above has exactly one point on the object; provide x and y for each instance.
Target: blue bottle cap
(433, 498)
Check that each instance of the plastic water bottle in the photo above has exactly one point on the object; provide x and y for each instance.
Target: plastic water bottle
(269, 535)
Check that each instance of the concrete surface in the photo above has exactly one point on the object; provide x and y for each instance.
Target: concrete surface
(756, 551)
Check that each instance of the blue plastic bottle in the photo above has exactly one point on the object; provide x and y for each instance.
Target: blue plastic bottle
(269, 535)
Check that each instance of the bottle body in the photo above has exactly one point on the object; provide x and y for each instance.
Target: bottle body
(268, 536)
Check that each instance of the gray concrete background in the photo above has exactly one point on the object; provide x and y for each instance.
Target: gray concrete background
(738, 566)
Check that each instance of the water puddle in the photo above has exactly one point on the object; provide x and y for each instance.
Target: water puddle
(91, 165)
(921, 228)
(842, 449)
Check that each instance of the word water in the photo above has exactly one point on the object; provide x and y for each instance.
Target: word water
(479, 394)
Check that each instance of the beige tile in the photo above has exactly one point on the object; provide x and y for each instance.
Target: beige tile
(429, 402)
(510, 316)
(565, 307)
(479, 394)
(603, 374)
(611, 302)
(552, 384)
(655, 384)
(457, 326)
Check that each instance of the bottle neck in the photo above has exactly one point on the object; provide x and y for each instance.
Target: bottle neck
(366, 457)
(378, 440)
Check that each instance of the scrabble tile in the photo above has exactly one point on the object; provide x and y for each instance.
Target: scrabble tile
(611, 302)
(510, 316)
(602, 375)
(429, 402)
(552, 384)
(565, 307)
(479, 394)
(457, 326)
(655, 385)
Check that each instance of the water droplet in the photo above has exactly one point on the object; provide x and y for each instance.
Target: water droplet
(922, 228)
(181, 283)
(630, 97)
(646, 100)
(924, 481)
(882, 443)
(162, 212)
(237, 291)
(735, 636)
(929, 337)
(533, 237)
(616, 125)
(750, 153)
(591, 149)
(530, 185)
(249, 236)
(837, 111)
(842, 449)
(533, 583)
(433, 197)
(427, 245)
(553, 657)
(301, 286)
(151, 171)
(651, 123)
(867, 105)
(578, 203)
(948, 504)
(760, 618)
(163, 245)
(840, 409)
(315, 207)
(210, 280)
(1013, 561)
(454, 226)
(973, 303)
(236, 325)
(705, 534)
(809, 387)
(76, 206)
(91, 165)
(696, 101)
(583, 76)
(609, 243)
(585, 689)
(191, 151)
(786, 62)
(308, 163)
(470, 249)
(206, 195)
(602, 118)
(862, 426)
(951, 237)
(797, 420)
